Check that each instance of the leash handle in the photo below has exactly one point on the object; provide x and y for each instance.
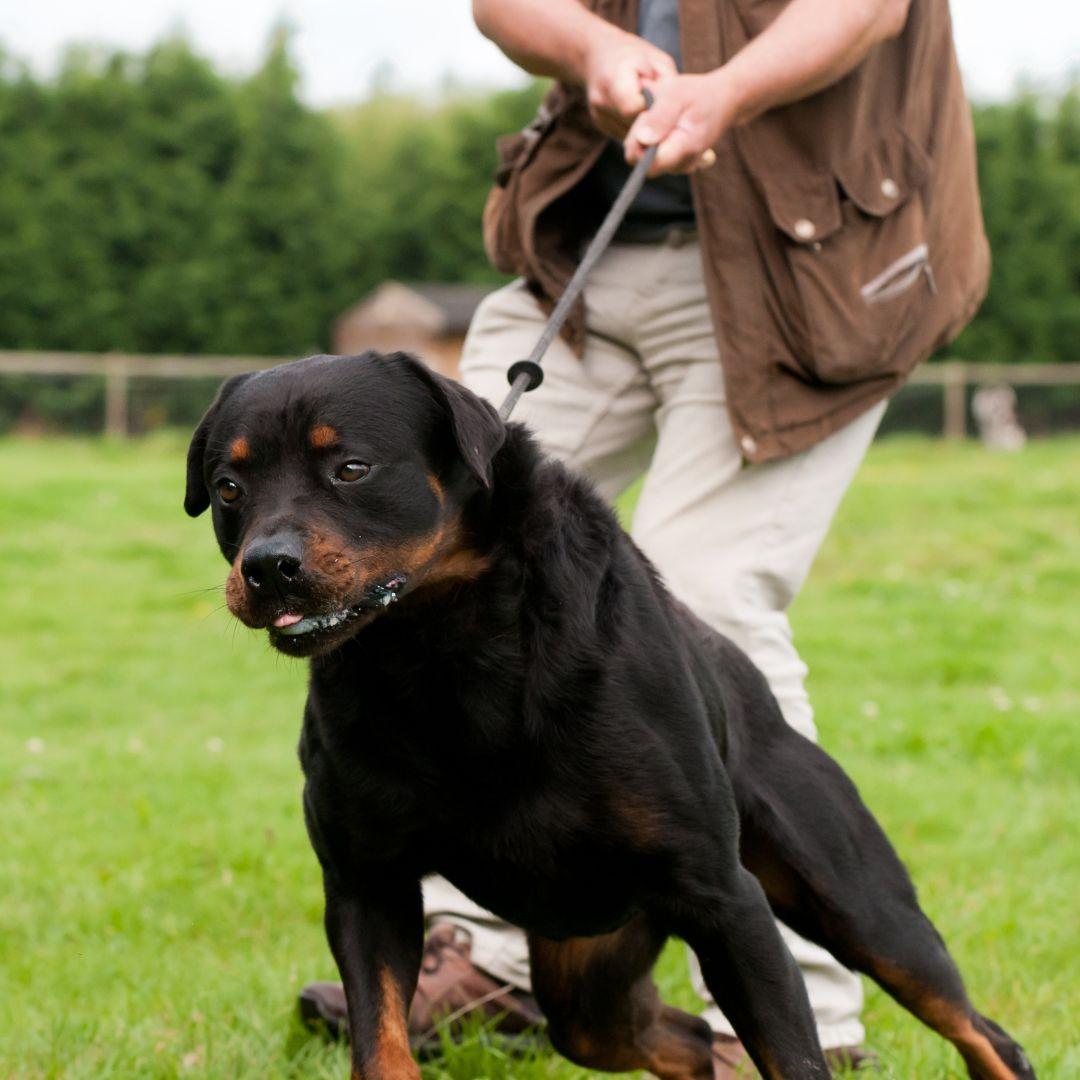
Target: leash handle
(527, 374)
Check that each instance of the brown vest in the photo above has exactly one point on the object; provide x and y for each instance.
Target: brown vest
(841, 236)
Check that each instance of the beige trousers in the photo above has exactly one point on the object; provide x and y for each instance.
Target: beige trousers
(734, 542)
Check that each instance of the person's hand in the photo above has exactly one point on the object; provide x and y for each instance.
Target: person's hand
(688, 117)
(617, 66)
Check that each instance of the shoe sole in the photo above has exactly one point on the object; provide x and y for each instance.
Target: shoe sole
(315, 1020)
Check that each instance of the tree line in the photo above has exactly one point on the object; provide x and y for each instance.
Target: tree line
(151, 204)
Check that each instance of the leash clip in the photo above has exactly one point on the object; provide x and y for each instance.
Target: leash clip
(526, 367)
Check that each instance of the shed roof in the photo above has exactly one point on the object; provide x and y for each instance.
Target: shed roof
(439, 308)
(457, 302)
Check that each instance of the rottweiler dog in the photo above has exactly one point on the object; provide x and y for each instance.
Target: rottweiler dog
(502, 691)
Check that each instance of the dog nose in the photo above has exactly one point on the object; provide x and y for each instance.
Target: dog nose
(273, 563)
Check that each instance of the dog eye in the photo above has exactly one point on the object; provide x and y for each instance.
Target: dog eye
(352, 471)
(228, 492)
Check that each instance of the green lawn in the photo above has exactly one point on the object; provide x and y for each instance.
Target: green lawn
(159, 905)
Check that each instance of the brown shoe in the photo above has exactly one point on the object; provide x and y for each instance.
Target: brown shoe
(322, 1009)
(732, 1062)
(450, 989)
(843, 1059)
(730, 1059)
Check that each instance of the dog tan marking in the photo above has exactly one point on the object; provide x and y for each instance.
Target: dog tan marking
(457, 566)
(335, 566)
(975, 1048)
(436, 489)
(950, 1021)
(342, 573)
(236, 595)
(323, 437)
(240, 450)
(632, 1029)
(392, 1057)
(641, 821)
(440, 557)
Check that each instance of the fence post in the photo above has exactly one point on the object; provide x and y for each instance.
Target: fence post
(955, 389)
(116, 397)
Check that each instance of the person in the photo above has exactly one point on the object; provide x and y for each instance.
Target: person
(810, 233)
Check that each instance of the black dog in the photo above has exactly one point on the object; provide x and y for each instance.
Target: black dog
(503, 692)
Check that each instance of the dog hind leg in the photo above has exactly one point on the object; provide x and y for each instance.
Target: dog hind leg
(604, 1011)
(831, 874)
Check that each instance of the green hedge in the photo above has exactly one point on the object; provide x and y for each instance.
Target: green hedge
(151, 204)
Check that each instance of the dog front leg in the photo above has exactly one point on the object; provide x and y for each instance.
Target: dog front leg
(375, 928)
(749, 971)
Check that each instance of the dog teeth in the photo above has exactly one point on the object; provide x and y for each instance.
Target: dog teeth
(383, 595)
(314, 622)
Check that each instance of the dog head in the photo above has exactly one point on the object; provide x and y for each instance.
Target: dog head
(337, 486)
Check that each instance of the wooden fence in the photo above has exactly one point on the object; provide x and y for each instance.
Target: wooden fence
(118, 369)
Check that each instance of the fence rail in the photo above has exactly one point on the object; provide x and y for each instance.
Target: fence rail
(118, 369)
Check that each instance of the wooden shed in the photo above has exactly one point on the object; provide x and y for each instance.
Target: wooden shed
(427, 319)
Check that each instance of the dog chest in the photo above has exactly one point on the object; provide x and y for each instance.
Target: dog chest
(572, 893)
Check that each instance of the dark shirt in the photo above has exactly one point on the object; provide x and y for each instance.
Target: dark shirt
(665, 201)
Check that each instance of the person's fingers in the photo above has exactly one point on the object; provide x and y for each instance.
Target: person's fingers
(674, 125)
(653, 126)
(677, 153)
(661, 66)
(650, 128)
(624, 92)
(680, 153)
(624, 89)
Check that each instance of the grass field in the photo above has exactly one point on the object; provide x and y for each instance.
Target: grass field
(160, 907)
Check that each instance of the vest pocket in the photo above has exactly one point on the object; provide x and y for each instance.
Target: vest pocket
(899, 276)
(856, 247)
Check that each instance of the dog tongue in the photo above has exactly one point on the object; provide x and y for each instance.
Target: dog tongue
(288, 619)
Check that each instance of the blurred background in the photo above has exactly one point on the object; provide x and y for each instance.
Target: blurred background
(190, 188)
(273, 180)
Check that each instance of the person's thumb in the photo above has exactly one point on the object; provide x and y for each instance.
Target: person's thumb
(653, 125)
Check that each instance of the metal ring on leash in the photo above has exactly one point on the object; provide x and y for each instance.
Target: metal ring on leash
(527, 374)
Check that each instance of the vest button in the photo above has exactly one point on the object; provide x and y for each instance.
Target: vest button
(889, 188)
(804, 229)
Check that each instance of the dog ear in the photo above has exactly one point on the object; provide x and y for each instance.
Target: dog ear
(196, 497)
(477, 428)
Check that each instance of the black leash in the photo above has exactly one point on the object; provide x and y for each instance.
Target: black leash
(525, 375)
